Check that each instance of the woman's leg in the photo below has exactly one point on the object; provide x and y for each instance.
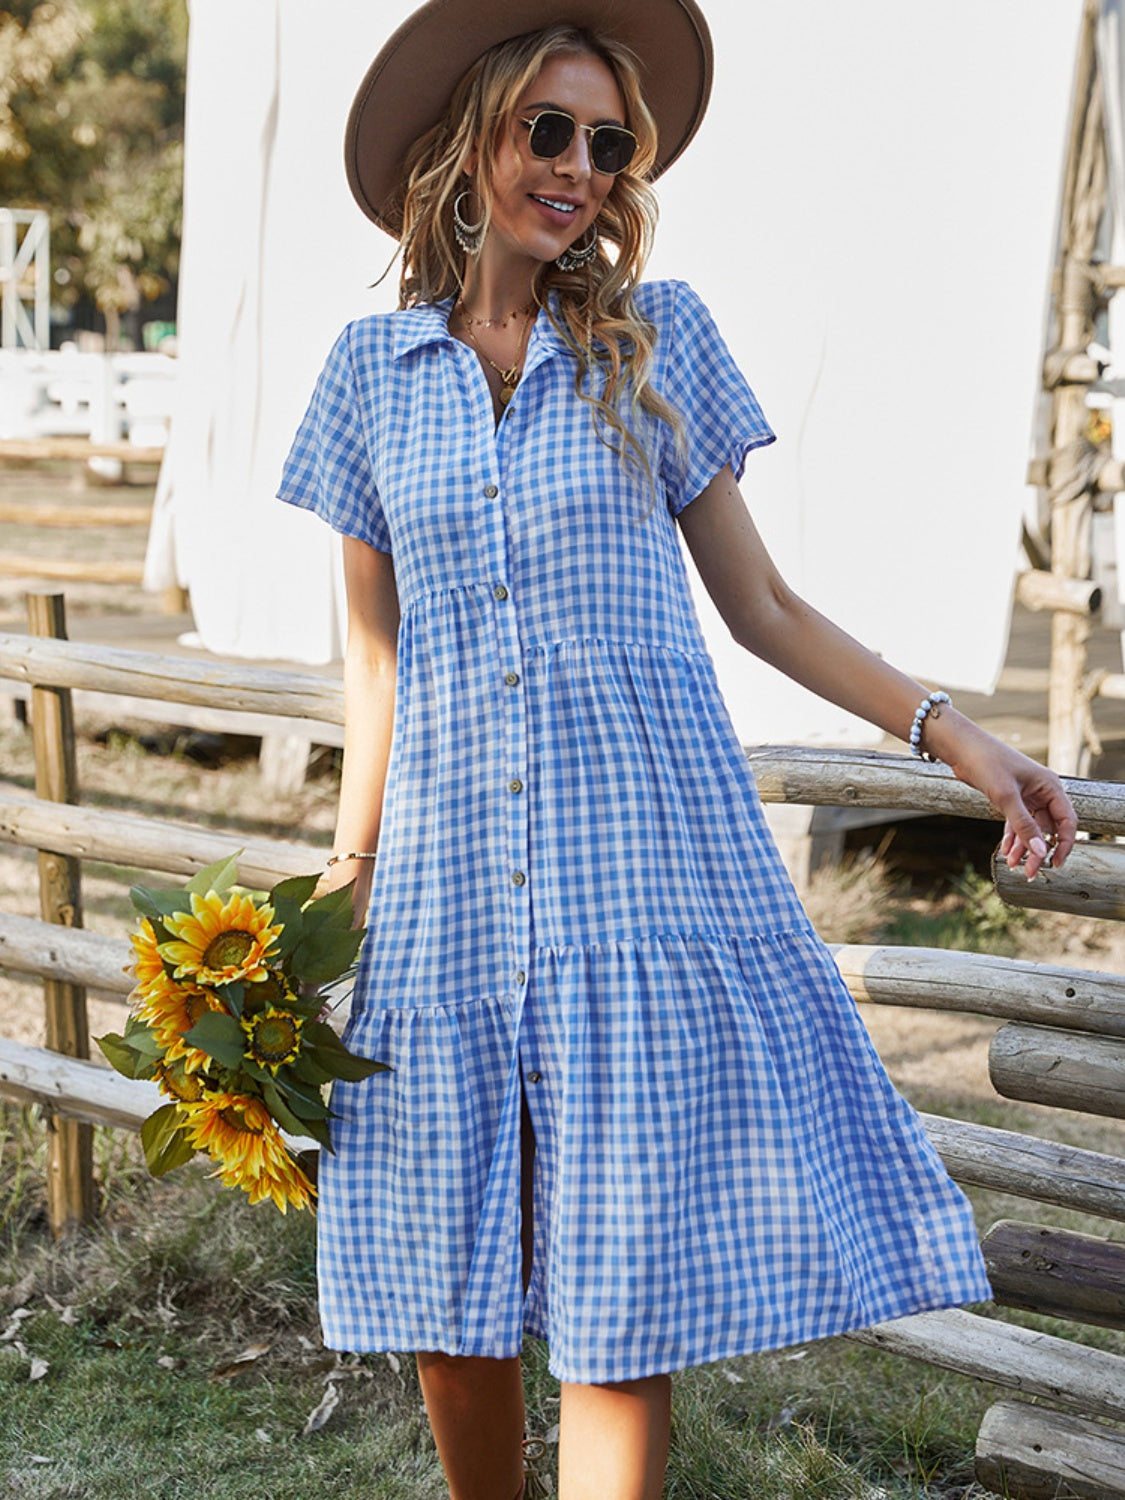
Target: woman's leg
(476, 1412)
(475, 1406)
(613, 1439)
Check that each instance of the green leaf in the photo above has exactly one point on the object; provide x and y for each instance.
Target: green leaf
(318, 1129)
(309, 1069)
(234, 995)
(118, 1053)
(221, 1037)
(298, 888)
(156, 905)
(292, 919)
(217, 877)
(330, 1051)
(165, 1143)
(140, 1036)
(303, 1099)
(327, 954)
(275, 1102)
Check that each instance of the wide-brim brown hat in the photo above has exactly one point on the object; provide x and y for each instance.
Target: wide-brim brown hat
(408, 87)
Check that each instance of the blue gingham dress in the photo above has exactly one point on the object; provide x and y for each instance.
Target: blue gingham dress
(576, 898)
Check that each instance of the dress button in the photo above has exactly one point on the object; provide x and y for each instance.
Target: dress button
(511, 678)
(535, 1078)
(518, 877)
(499, 592)
(491, 491)
(521, 977)
(515, 786)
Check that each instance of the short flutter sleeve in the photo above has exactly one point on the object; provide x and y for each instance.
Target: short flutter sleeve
(328, 470)
(721, 416)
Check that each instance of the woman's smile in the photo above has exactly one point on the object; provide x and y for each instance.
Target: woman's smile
(541, 206)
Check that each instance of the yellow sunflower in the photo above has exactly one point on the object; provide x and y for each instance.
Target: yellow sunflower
(179, 1083)
(222, 938)
(171, 1011)
(147, 967)
(273, 1037)
(239, 1133)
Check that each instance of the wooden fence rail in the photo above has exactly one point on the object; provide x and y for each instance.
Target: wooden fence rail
(1063, 1041)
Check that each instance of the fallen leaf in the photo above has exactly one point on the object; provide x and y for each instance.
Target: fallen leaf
(166, 1362)
(240, 1362)
(15, 1318)
(734, 1377)
(323, 1410)
(39, 1368)
(395, 1363)
(552, 1434)
(800, 1354)
(262, 1435)
(39, 1458)
(67, 1315)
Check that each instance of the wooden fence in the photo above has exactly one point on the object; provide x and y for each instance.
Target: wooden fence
(1063, 1041)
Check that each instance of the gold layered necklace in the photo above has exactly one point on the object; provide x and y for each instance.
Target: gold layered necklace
(510, 377)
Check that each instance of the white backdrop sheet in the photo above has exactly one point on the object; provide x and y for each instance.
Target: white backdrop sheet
(869, 209)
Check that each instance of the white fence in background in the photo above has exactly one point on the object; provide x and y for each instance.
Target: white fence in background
(103, 397)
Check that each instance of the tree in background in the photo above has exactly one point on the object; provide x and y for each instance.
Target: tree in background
(91, 130)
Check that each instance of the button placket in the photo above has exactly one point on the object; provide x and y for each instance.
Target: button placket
(513, 737)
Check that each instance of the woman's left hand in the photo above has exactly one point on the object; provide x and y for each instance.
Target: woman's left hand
(1040, 821)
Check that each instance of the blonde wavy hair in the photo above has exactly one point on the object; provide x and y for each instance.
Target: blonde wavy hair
(594, 310)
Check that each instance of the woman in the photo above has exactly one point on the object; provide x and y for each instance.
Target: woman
(633, 1110)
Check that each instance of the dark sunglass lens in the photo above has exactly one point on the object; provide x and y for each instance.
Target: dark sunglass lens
(551, 134)
(611, 150)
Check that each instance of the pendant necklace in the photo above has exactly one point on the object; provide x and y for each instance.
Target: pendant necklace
(510, 377)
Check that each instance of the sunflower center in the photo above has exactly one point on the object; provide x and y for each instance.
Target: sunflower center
(273, 1038)
(194, 1006)
(228, 949)
(181, 1085)
(237, 1121)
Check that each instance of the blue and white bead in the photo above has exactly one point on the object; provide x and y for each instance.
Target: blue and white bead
(920, 714)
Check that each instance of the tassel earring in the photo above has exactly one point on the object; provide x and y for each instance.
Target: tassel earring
(469, 236)
(574, 259)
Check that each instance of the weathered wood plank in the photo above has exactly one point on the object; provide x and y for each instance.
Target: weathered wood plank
(189, 715)
(944, 979)
(174, 679)
(68, 1086)
(70, 1145)
(69, 570)
(27, 513)
(1027, 1167)
(1038, 589)
(1069, 1069)
(1033, 1453)
(28, 946)
(148, 843)
(874, 778)
(77, 448)
(1074, 1376)
(1090, 884)
(1056, 1271)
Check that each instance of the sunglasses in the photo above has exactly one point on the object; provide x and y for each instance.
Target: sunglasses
(551, 132)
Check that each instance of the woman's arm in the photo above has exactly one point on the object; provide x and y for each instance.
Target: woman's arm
(369, 696)
(765, 616)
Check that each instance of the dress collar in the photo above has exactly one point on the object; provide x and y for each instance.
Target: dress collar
(428, 323)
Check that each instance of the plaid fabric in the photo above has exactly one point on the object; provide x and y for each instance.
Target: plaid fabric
(576, 895)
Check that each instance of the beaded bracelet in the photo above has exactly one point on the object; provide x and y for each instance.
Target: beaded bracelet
(920, 714)
(340, 859)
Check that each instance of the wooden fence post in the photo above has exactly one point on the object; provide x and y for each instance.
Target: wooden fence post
(70, 1158)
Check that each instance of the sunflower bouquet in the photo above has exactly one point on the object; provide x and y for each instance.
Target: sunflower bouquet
(229, 1019)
